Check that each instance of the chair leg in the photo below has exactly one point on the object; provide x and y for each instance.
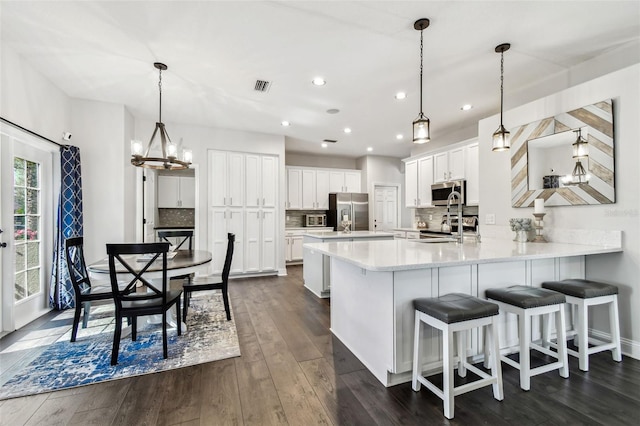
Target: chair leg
(615, 329)
(524, 322)
(134, 328)
(496, 367)
(76, 322)
(178, 316)
(462, 353)
(447, 371)
(583, 336)
(116, 340)
(561, 331)
(185, 306)
(165, 351)
(417, 352)
(87, 311)
(225, 298)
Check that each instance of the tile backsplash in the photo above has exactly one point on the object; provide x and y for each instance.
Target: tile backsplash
(176, 217)
(432, 216)
(295, 218)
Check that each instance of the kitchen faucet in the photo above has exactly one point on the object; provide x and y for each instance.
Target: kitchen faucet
(450, 198)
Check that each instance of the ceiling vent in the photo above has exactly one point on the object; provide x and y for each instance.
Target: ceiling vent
(330, 140)
(262, 86)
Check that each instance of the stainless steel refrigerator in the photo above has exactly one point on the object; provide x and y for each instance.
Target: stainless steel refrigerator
(352, 205)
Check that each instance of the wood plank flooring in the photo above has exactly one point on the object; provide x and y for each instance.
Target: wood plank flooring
(293, 371)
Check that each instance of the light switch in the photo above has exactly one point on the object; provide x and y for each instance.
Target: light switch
(490, 219)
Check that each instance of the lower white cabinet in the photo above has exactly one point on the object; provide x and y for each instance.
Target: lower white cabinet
(224, 221)
(260, 240)
(293, 251)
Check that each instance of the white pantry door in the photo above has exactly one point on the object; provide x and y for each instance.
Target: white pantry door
(26, 219)
(386, 208)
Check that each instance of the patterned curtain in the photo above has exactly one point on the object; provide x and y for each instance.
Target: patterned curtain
(69, 224)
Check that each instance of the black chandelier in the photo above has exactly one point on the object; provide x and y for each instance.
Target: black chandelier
(169, 160)
(501, 137)
(421, 132)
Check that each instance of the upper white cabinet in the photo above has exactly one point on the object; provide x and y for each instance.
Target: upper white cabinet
(176, 191)
(308, 188)
(472, 174)
(261, 180)
(418, 181)
(449, 165)
(226, 179)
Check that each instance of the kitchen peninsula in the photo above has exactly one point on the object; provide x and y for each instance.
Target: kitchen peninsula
(317, 276)
(375, 282)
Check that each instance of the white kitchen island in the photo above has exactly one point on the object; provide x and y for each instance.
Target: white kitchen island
(317, 266)
(375, 282)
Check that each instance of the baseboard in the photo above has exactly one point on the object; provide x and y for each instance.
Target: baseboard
(629, 347)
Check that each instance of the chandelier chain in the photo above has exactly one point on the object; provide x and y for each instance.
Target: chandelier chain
(421, 31)
(501, 84)
(160, 91)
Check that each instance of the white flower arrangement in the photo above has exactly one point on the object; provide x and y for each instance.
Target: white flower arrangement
(520, 224)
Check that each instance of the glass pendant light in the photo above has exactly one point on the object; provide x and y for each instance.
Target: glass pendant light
(421, 131)
(501, 137)
(580, 146)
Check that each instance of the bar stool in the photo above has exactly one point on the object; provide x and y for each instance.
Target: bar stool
(453, 313)
(580, 295)
(527, 302)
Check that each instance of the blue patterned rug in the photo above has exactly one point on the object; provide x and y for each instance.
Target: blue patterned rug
(209, 337)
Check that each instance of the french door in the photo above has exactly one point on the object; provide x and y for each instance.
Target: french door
(26, 220)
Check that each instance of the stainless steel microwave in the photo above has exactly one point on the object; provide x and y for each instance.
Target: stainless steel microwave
(315, 220)
(440, 192)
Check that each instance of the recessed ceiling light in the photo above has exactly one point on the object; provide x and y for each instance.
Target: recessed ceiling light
(347, 130)
(466, 107)
(319, 81)
(285, 124)
(369, 149)
(401, 95)
(324, 145)
(399, 137)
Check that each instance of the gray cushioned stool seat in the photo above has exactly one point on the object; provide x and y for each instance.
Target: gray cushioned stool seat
(525, 297)
(583, 289)
(455, 307)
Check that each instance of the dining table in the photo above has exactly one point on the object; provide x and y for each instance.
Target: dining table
(184, 262)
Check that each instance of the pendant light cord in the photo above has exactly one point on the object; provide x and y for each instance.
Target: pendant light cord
(160, 90)
(421, 31)
(501, 84)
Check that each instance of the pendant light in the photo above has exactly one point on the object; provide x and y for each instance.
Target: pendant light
(501, 137)
(169, 160)
(421, 132)
(580, 146)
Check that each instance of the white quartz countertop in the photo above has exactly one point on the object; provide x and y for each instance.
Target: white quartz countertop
(326, 235)
(397, 255)
(409, 229)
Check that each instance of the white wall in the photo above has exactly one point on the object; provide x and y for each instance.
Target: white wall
(495, 184)
(201, 139)
(312, 160)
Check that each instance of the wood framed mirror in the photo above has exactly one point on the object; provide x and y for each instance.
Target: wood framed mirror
(543, 165)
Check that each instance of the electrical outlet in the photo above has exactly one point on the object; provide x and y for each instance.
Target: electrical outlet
(430, 217)
(490, 219)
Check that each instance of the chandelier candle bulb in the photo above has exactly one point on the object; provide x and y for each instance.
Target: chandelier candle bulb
(538, 206)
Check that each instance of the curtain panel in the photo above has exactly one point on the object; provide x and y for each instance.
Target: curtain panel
(69, 224)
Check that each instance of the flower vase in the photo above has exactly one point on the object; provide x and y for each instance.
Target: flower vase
(521, 236)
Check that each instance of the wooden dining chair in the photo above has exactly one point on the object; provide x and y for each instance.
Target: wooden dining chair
(129, 303)
(84, 291)
(214, 282)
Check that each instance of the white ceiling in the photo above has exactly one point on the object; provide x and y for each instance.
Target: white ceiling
(366, 50)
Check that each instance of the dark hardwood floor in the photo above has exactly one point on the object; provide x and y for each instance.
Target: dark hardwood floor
(293, 371)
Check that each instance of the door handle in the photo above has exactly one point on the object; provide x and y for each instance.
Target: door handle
(3, 245)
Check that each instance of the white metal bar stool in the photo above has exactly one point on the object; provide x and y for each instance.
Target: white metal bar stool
(453, 313)
(526, 302)
(580, 295)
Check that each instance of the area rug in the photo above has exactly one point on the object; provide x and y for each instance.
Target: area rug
(209, 337)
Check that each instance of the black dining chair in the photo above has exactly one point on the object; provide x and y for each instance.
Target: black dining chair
(176, 240)
(85, 292)
(214, 282)
(130, 303)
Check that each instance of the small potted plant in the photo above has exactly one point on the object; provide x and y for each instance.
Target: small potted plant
(521, 226)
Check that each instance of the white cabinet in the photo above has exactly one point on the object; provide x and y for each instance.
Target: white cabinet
(344, 181)
(260, 240)
(472, 175)
(176, 191)
(418, 181)
(308, 188)
(243, 200)
(261, 180)
(449, 165)
(293, 248)
(222, 222)
(226, 179)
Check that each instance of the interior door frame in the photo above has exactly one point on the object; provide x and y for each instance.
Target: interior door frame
(372, 205)
(7, 150)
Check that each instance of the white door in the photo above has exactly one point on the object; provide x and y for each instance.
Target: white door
(252, 239)
(308, 189)
(411, 183)
(269, 181)
(386, 208)
(425, 180)
(253, 192)
(294, 189)
(268, 248)
(26, 219)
